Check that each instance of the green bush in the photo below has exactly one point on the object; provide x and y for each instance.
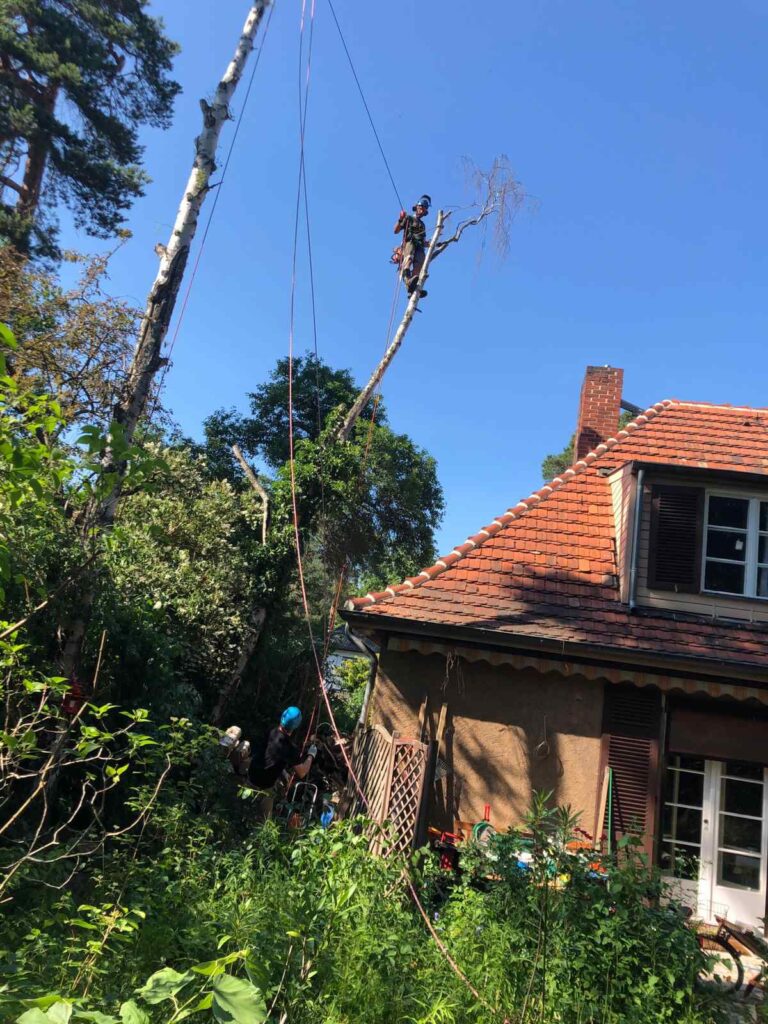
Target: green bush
(312, 928)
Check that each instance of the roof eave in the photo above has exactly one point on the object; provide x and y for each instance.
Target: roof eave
(683, 665)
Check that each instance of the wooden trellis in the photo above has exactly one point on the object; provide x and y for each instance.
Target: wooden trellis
(392, 773)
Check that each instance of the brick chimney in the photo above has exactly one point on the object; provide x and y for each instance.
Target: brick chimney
(599, 408)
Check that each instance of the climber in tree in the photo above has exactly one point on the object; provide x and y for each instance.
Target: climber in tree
(414, 238)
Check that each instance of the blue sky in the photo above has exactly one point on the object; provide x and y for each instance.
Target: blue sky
(637, 127)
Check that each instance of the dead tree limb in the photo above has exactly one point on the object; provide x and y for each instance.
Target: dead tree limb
(362, 399)
(253, 480)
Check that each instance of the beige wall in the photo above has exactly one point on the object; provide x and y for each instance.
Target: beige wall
(495, 722)
(717, 605)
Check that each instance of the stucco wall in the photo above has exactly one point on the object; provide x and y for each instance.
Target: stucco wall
(495, 722)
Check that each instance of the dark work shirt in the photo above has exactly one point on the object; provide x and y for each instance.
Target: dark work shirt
(280, 754)
(414, 230)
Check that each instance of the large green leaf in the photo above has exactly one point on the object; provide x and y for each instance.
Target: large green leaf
(164, 984)
(58, 1013)
(237, 1001)
(130, 1013)
(34, 1016)
(7, 336)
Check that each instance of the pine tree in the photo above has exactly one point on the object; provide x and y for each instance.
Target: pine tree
(78, 78)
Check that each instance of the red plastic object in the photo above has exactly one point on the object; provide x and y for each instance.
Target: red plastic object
(74, 698)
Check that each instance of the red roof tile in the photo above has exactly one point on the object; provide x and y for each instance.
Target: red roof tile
(547, 567)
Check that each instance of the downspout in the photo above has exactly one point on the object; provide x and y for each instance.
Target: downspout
(635, 540)
(372, 676)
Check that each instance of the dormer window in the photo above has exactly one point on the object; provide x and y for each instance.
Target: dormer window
(708, 541)
(736, 550)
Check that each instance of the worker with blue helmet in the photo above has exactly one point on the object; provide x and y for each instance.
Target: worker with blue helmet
(412, 251)
(281, 759)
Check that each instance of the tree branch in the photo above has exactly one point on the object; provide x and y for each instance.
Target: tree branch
(343, 432)
(253, 480)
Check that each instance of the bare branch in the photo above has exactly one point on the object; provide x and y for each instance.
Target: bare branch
(253, 480)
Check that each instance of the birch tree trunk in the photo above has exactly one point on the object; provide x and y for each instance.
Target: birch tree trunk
(147, 356)
(161, 301)
(362, 399)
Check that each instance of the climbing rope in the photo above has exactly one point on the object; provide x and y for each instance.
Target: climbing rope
(365, 104)
(301, 184)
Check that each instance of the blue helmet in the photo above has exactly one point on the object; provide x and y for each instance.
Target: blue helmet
(425, 201)
(290, 719)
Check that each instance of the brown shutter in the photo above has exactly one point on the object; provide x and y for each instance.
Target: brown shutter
(677, 519)
(631, 723)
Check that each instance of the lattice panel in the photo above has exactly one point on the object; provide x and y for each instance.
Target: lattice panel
(391, 774)
(408, 769)
(371, 760)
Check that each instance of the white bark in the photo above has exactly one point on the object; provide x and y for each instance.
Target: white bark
(253, 480)
(362, 399)
(161, 301)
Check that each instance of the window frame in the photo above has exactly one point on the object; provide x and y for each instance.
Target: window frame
(752, 535)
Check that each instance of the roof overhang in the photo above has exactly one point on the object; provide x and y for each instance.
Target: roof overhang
(697, 472)
(574, 652)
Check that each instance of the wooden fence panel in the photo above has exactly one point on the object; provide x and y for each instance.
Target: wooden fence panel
(391, 773)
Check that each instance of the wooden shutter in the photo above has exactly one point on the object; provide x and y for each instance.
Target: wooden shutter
(631, 723)
(677, 519)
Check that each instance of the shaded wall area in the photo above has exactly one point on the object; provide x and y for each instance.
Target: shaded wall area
(508, 732)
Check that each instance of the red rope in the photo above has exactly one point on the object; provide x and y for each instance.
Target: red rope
(295, 512)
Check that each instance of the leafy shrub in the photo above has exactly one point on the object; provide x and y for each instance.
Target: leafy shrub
(311, 928)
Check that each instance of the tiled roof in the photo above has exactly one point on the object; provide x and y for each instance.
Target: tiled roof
(547, 568)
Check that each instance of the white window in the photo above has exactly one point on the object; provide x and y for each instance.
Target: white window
(736, 545)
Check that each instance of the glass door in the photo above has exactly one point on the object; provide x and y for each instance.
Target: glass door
(737, 840)
(681, 825)
(714, 845)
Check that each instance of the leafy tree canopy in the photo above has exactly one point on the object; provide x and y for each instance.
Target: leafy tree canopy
(77, 82)
(372, 503)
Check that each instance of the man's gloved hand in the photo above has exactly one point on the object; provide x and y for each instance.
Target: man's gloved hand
(403, 215)
(312, 752)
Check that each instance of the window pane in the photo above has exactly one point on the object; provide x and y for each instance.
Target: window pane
(727, 544)
(744, 770)
(736, 869)
(764, 515)
(683, 823)
(680, 861)
(728, 579)
(762, 549)
(685, 788)
(687, 762)
(762, 582)
(742, 798)
(740, 833)
(728, 511)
